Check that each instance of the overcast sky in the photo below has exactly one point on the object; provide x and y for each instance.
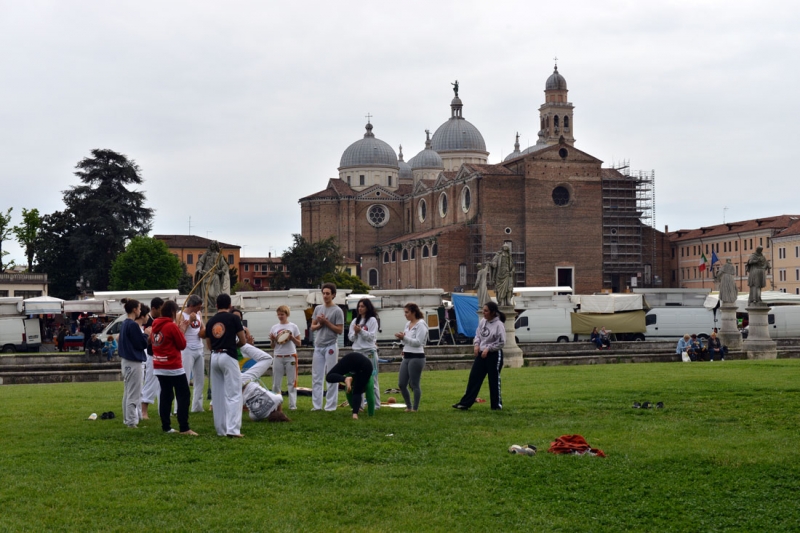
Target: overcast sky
(235, 110)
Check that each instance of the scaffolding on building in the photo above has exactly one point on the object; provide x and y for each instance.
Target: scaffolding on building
(628, 207)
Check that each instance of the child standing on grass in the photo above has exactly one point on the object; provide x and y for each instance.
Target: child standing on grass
(285, 352)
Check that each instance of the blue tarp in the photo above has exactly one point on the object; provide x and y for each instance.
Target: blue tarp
(466, 313)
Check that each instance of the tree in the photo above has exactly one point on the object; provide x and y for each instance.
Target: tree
(5, 231)
(307, 262)
(107, 213)
(27, 232)
(146, 264)
(234, 275)
(343, 280)
(55, 256)
(186, 283)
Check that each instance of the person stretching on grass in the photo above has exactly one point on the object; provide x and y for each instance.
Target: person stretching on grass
(490, 338)
(355, 371)
(261, 403)
(168, 340)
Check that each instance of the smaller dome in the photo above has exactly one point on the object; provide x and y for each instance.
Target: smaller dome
(556, 81)
(368, 152)
(516, 153)
(428, 158)
(405, 168)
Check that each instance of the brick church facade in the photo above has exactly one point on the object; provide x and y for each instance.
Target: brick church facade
(429, 222)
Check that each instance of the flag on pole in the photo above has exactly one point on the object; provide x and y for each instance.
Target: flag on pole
(714, 258)
(703, 260)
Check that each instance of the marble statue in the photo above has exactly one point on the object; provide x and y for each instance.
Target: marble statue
(756, 268)
(727, 286)
(214, 272)
(480, 285)
(502, 270)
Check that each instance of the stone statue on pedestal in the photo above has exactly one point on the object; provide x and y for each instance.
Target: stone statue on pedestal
(212, 276)
(756, 268)
(480, 286)
(502, 270)
(727, 286)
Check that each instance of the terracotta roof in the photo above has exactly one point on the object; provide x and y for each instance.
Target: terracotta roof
(277, 259)
(792, 230)
(497, 170)
(191, 241)
(435, 232)
(731, 228)
(337, 188)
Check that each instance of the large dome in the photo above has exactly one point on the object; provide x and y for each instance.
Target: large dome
(556, 81)
(369, 152)
(457, 133)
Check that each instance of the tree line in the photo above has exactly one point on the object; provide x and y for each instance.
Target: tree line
(101, 237)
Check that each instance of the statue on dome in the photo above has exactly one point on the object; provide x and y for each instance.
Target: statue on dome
(455, 88)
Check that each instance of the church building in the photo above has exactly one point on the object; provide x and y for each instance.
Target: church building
(430, 221)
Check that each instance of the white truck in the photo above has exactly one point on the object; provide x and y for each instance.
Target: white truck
(19, 334)
(674, 322)
(544, 325)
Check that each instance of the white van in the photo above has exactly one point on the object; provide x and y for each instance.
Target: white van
(544, 325)
(677, 321)
(20, 334)
(784, 321)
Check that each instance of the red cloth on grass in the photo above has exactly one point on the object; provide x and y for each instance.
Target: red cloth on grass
(573, 444)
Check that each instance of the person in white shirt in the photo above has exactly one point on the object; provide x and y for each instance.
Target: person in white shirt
(285, 355)
(364, 335)
(413, 339)
(193, 357)
(327, 323)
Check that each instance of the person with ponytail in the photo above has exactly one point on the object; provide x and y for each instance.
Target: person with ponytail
(132, 345)
(490, 338)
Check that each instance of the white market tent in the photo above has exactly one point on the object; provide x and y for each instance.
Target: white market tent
(609, 303)
(43, 305)
(768, 297)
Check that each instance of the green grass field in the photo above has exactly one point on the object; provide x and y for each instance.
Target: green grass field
(722, 456)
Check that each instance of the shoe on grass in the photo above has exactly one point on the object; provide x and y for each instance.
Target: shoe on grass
(660, 405)
(460, 407)
(637, 405)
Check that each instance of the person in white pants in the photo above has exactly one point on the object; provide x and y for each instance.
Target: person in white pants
(224, 333)
(364, 335)
(327, 323)
(193, 357)
(151, 388)
(285, 352)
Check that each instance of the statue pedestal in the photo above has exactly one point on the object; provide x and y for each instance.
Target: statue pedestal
(512, 354)
(729, 333)
(758, 344)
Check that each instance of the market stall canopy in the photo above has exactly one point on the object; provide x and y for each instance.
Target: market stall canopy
(631, 322)
(610, 303)
(771, 298)
(43, 305)
(97, 307)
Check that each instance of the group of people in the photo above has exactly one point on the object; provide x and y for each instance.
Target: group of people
(696, 350)
(161, 348)
(601, 339)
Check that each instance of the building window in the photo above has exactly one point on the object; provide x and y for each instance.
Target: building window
(413, 253)
(361, 179)
(466, 200)
(435, 250)
(560, 196)
(797, 274)
(724, 246)
(230, 259)
(385, 257)
(258, 282)
(422, 210)
(378, 215)
(264, 268)
(27, 294)
(443, 204)
(255, 268)
(681, 251)
(189, 259)
(782, 275)
(425, 251)
(781, 253)
(247, 268)
(394, 256)
(4, 293)
(348, 180)
(761, 241)
(735, 246)
(390, 181)
(404, 256)
(372, 277)
(706, 248)
(797, 291)
(462, 274)
(247, 280)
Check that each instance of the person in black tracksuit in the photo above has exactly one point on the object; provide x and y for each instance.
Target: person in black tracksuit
(358, 368)
(489, 341)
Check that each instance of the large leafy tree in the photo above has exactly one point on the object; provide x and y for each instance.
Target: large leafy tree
(308, 262)
(27, 232)
(108, 213)
(55, 255)
(343, 280)
(146, 264)
(5, 231)
(186, 283)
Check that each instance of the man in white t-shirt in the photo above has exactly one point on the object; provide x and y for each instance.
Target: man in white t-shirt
(193, 358)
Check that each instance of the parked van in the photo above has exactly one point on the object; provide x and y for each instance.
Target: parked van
(20, 334)
(675, 322)
(544, 325)
(784, 321)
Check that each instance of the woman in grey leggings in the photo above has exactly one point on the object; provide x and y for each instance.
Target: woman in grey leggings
(413, 339)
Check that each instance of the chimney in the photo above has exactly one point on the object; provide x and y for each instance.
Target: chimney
(270, 255)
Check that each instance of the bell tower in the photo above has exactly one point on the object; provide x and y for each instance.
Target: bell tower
(555, 115)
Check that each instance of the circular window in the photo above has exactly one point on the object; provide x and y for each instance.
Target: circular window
(378, 215)
(422, 210)
(443, 204)
(508, 231)
(563, 153)
(560, 196)
(466, 199)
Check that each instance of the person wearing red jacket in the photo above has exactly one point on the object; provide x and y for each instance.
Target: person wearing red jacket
(168, 341)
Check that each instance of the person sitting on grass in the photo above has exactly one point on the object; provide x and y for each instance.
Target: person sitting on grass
(355, 371)
(715, 347)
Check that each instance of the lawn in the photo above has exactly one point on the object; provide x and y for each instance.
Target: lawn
(723, 455)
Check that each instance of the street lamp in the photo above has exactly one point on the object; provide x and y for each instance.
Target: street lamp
(83, 286)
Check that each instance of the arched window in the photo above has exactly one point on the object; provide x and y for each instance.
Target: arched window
(443, 204)
(566, 122)
(555, 122)
(385, 257)
(404, 256)
(373, 277)
(425, 252)
(466, 199)
(394, 256)
(422, 210)
(435, 250)
(413, 253)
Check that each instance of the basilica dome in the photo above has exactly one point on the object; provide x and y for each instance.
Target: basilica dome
(427, 158)
(457, 133)
(405, 168)
(369, 152)
(556, 81)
